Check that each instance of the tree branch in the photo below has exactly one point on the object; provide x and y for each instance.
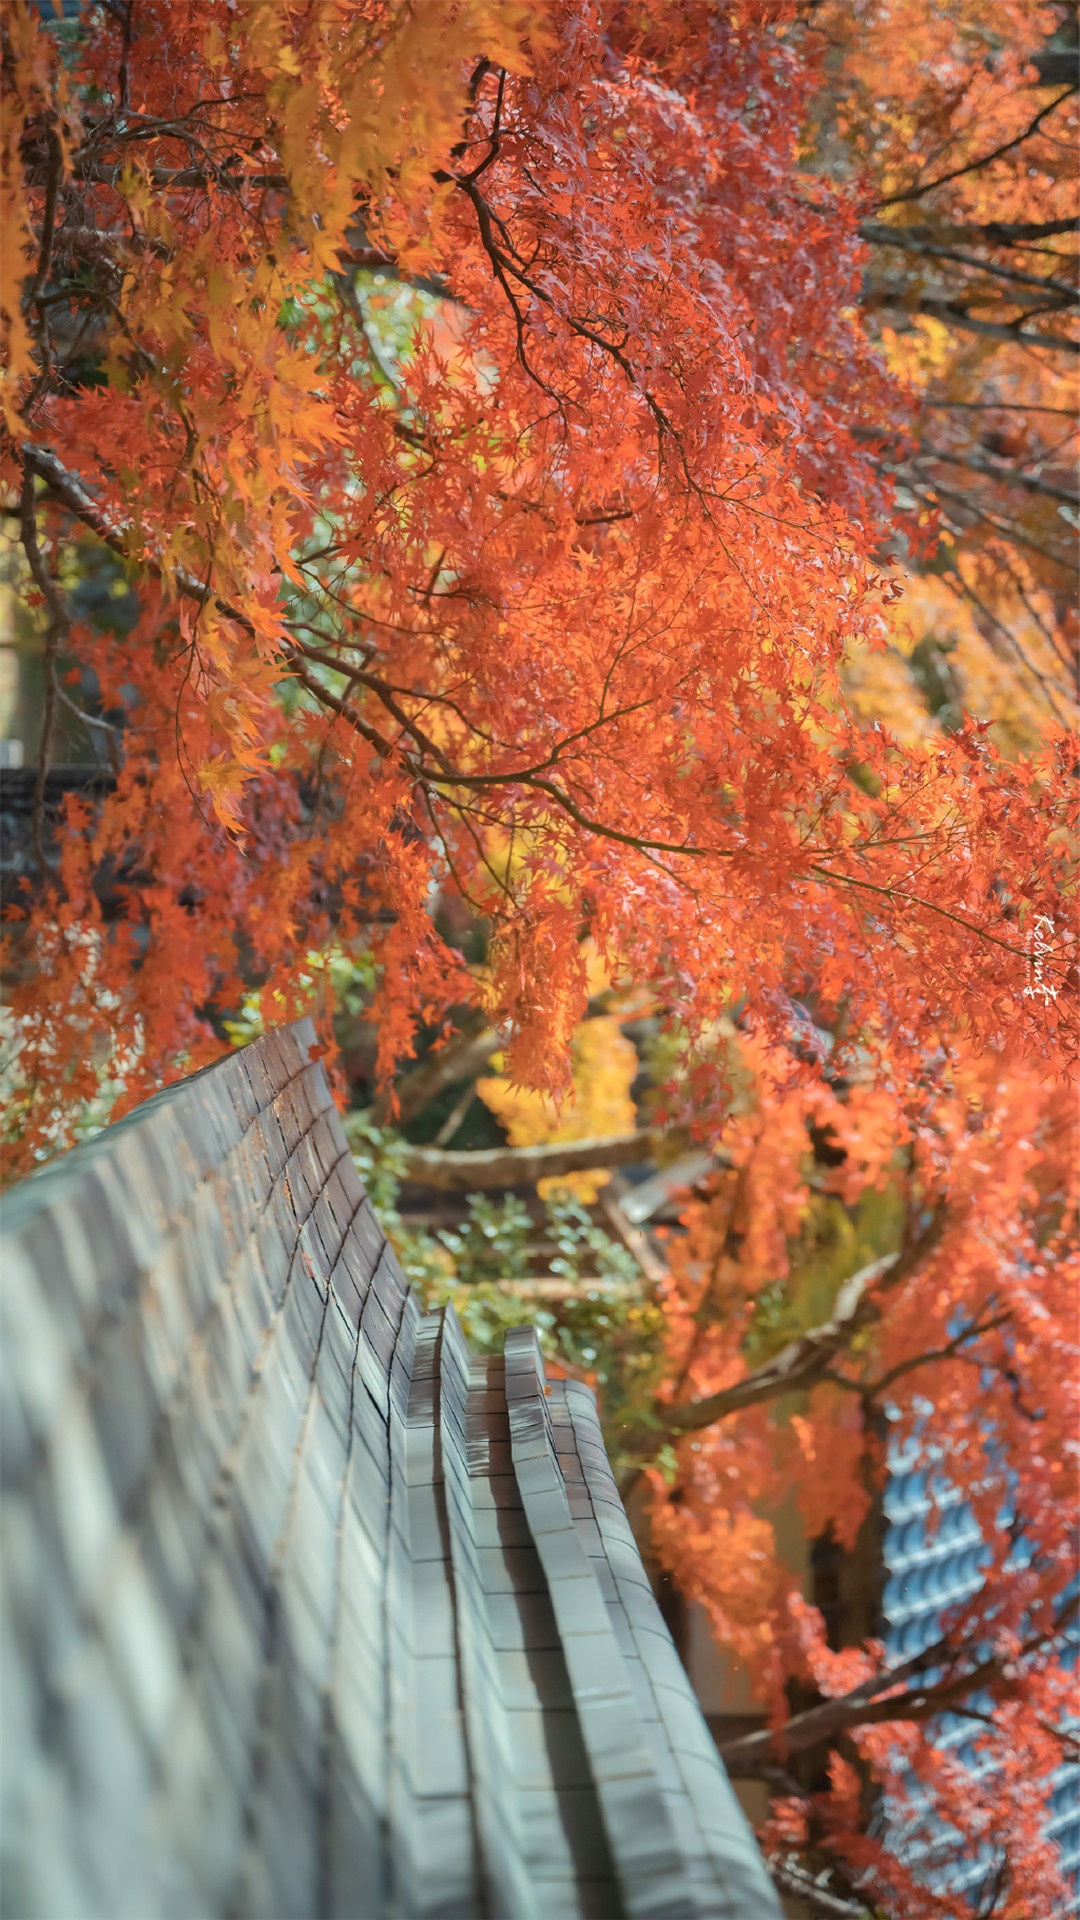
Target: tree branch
(877, 1700)
(636, 1242)
(1006, 476)
(521, 1166)
(956, 315)
(793, 1879)
(879, 234)
(801, 1364)
(557, 1292)
(995, 406)
(465, 1055)
(72, 494)
(991, 233)
(99, 173)
(797, 1366)
(973, 166)
(952, 1350)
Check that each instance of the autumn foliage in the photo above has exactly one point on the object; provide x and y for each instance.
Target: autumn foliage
(510, 434)
(955, 1344)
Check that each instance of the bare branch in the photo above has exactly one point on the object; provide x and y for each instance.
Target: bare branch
(973, 166)
(456, 1115)
(992, 233)
(1006, 476)
(796, 1880)
(955, 314)
(48, 229)
(557, 1292)
(464, 1056)
(100, 174)
(636, 1242)
(994, 406)
(521, 1166)
(879, 234)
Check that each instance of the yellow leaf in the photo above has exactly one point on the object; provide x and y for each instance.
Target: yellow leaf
(605, 1067)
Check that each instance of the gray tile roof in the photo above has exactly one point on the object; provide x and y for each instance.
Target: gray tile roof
(935, 1558)
(305, 1611)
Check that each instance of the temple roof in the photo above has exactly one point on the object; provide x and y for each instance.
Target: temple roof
(305, 1610)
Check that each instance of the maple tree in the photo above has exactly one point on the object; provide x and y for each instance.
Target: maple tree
(971, 291)
(802, 1358)
(486, 408)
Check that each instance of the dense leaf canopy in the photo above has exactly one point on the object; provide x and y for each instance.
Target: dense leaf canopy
(550, 614)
